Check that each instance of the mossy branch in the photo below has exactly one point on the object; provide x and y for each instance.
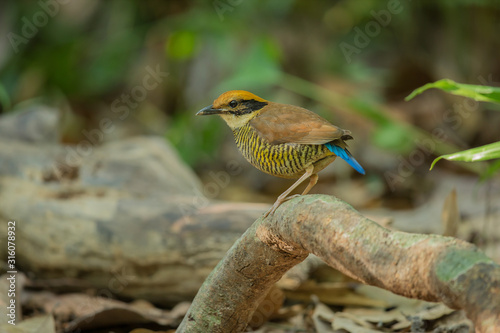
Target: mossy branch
(427, 267)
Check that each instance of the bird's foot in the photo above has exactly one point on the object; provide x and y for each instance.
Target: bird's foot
(278, 203)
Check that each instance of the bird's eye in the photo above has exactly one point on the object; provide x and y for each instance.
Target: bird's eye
(233, 103)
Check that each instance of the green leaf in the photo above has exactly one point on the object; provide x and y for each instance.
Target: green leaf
(482, 153)
(491, 171)
(476, 92)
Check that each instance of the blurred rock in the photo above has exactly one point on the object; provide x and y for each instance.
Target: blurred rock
(471, 202)
(141, 165)
(34, 124)
(127, 218)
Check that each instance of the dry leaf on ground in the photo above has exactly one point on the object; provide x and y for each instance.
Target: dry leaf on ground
(80, 311)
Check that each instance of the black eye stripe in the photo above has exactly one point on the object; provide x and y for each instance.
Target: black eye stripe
(248, 106)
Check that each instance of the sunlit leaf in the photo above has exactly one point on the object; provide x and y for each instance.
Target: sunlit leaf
(483, 153)
(181, 44)
(476, 92)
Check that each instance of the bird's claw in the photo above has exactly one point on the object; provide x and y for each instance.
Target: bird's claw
(278, 203)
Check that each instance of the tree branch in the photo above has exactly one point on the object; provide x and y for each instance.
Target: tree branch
(427, 267)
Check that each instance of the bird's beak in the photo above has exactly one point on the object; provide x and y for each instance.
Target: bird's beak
(206, 111)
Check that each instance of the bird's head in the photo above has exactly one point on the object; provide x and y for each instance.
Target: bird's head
(236, 107)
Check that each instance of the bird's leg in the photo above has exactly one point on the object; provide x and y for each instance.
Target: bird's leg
(312, 181)
(284, 196)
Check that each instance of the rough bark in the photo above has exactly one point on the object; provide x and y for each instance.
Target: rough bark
(427, 267)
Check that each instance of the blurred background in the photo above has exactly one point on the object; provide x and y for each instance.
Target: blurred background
(146, 67)
(112, 70)
(351, 62)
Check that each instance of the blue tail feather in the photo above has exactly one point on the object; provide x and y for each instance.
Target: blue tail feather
(346, 156)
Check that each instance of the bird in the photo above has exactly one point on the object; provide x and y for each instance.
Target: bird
(282, 140)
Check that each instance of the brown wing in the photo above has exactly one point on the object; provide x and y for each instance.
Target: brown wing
(282, 123)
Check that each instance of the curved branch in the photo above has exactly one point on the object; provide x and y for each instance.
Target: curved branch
(427, 267)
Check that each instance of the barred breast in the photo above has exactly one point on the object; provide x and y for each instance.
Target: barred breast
(287, 160)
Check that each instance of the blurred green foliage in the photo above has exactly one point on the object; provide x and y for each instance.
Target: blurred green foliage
(181, 45)
(89, 53)
(84, 58)
(4, 97)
